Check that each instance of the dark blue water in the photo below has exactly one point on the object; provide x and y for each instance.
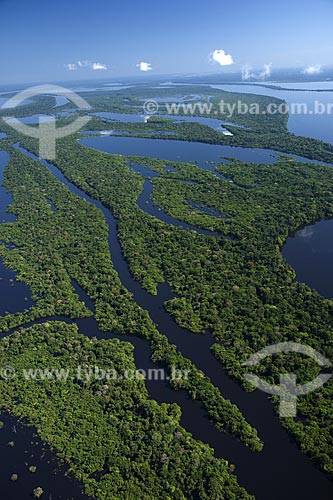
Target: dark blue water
(281, 470)
(209, 122)
(310, 253)
(28, 449)
(213, 123)
(3, 101)
(15, 295)
(121, 117)
(142, 170)
(60, 101)
(313, 86)
(146, 204)
(310, 124)
(181, 151)
(281, 462)
(35, 119)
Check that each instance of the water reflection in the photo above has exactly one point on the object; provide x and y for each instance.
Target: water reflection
(310, 253)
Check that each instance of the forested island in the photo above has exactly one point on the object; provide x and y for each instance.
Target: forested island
(233, 287)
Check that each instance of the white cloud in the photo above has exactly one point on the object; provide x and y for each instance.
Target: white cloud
(95, 66)
(247, 72)
(98, 66)
(221, 57)
(144, 66)
(71, 67)
(267, 71)
(313, 70)
(84, 64)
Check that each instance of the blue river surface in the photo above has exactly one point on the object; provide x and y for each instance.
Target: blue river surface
(310, 122)
(281, 470)
(310, 253)
(182, 151)
(316, 120)
(28, 449)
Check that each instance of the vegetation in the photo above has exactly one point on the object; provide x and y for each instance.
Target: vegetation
(51, 248)
(239, 289)
(120, 443)
(258, 129)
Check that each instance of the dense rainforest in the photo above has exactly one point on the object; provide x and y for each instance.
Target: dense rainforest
(118, 442)
(237, 287)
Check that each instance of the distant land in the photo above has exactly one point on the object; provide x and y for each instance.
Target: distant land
(287, 75)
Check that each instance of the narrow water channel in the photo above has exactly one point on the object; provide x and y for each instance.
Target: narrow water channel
(20, 446)
(281, 470)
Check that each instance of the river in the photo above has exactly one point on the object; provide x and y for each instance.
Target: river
(310, 252)
(281, 463)
(26, 448)
(281, 470)
(312, 123)
(196, 153)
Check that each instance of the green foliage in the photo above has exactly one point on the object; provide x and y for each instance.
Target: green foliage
(51, 247)
(240, 289)
(118, 442)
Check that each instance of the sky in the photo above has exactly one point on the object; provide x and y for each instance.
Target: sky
(44, 41)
